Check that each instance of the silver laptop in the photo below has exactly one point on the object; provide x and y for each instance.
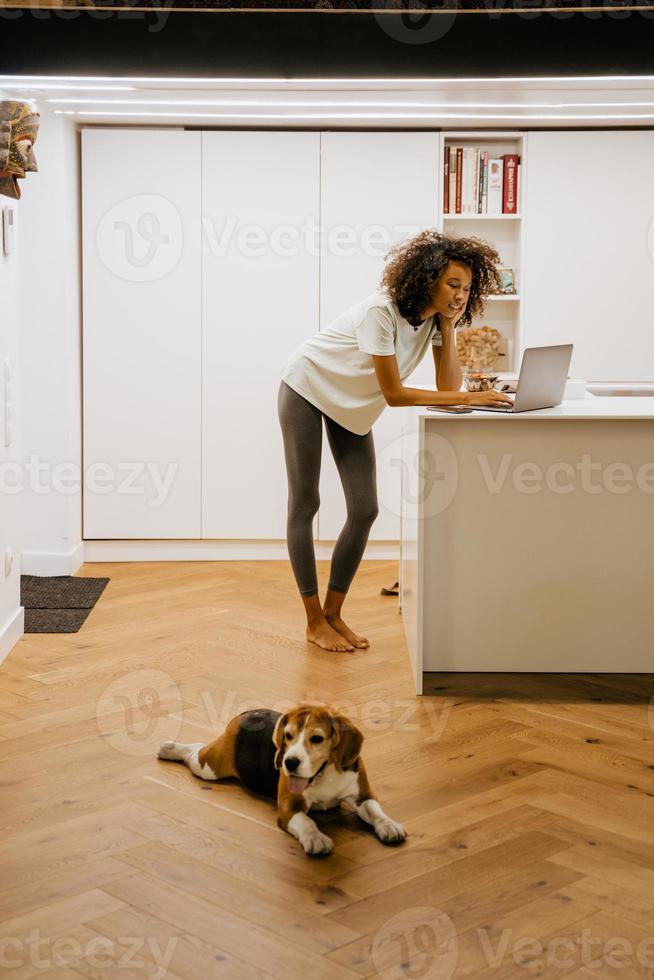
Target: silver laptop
(542, 379)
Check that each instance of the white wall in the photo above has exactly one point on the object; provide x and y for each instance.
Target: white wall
(51, 351)
(11, 529)
(40, 334)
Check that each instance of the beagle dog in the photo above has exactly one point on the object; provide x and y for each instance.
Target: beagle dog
(308, 758)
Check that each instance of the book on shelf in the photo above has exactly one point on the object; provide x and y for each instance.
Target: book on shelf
(474, 182)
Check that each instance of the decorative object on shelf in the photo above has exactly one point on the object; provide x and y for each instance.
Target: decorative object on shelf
(508, 281)
(478, 347)
(19, 124)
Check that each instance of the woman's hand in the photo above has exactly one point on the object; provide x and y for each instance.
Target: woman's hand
(450, 322)
(490, 397)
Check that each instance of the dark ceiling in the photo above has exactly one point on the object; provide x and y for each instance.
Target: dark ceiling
(613, 40)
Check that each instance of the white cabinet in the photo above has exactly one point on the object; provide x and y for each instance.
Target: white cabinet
(589, 275)
(141, 333)
(376, 189)
(202, 272)
(260, 300)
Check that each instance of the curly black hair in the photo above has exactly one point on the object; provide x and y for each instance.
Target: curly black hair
(413, 267)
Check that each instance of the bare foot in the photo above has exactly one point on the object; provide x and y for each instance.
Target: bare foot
(325, 636)
(344, 630)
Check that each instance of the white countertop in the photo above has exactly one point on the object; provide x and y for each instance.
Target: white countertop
(590, 407)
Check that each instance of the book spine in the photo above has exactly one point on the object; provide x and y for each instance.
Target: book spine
(484, 193)
(467, 178)
(446, 181)
(475, 181)
(480, 180)
(495, 182)
(459, 178)
(469, 166)
(452, 152)
(509, 198)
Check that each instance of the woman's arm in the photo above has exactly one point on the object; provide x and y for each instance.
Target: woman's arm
(446, 360)
(396, 394)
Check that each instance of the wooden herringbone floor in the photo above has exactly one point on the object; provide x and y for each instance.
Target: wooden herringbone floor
(529, 800)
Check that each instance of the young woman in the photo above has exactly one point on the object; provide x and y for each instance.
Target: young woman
(347, 373)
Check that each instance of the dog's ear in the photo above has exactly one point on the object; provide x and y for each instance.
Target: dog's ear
(347, 741)
(278, 739)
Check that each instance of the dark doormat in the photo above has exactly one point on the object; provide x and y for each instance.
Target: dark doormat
(58, 603)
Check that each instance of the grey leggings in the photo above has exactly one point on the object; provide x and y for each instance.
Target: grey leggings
(354, 456)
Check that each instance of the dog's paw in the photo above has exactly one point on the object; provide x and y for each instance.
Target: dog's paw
(317, 843)
(390, 832)
(168, 750)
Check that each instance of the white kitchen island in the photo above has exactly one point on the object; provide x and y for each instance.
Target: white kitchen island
(528, 539)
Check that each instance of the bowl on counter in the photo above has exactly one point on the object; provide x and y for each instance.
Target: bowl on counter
(480, 380)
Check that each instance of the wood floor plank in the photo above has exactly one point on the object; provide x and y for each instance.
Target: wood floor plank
(291, 875)
(472, 908)
(606, 896)
(29, 895)
(550, 955)
(186, 954)
(511, 935)
(616, 809)
(38, 854)
(623, 874)
(602, 843)
(241, 938)
(410, 863)
(310, 931)
(57, 917)
(633, 743)
(436, 885)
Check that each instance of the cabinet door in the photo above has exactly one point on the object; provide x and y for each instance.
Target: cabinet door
(589, 259)
(260, 300)
(377, 189)
(141, 333)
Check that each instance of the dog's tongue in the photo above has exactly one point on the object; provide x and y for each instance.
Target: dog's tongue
(296, 784)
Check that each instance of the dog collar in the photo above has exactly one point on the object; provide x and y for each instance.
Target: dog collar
(316, 774)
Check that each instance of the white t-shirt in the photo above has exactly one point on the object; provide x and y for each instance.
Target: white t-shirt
(334, 370)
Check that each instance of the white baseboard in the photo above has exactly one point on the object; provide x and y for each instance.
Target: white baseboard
(52, 562)
(11, 633)
(223, 550)
(37, 563)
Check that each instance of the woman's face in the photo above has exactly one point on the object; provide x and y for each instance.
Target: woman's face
(451, 292)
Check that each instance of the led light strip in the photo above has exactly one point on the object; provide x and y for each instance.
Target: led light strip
(352, 116)
(79, 88)
(25, 79)
(257, 103)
